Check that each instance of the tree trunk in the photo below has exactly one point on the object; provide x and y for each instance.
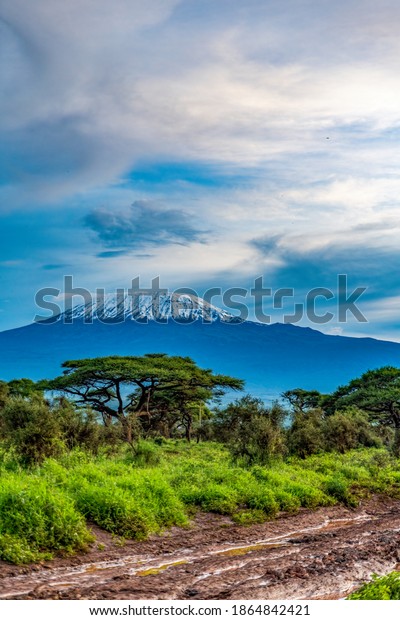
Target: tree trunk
(396, 441)
(127, 427)
(142, 399)
(188, 428)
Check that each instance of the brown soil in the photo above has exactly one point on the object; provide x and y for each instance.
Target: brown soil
(312, 555)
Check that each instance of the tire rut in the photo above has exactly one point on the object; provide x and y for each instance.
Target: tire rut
(311, 555)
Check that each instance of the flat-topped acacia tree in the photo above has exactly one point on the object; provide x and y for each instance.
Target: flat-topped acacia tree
(377, 392)
(105, 383)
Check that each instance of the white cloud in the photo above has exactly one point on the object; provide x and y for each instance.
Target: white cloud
(130, 84)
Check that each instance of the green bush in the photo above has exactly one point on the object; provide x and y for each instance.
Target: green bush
(17, 550)
(379, 589)
(154, 492)
(112, 509)
(212, 497)
(305, 436)
(78, 427)
(286, 501)
(125, 501)
(260, 442)
(252, 431)
(262, 499)
(36, 520)
(349, 429)
(308, 496)
(339, 489)
(31, 429)
(4, 394)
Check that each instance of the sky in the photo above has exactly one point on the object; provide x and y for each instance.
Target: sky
(207, 142)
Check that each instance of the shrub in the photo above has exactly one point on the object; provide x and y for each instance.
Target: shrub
(263, 499)
(31, 428)
(114, 510)
(306, 437)
(212, 497)
(349, 429)
(123, 501)
(4, 393)
(286, 501)
(379, 589)
(78, 427)
(260, 442)
(308, 497)
(36, 520)
(252, 431)
(154, 492)
(339, 489)
(17, 550)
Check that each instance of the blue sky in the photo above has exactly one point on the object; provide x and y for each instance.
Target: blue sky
(207, 142)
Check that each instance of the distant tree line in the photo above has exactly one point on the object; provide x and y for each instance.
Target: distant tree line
(101, 403)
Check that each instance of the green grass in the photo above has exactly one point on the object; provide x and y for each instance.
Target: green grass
(44, 510)
(37, 519)
(379, 589)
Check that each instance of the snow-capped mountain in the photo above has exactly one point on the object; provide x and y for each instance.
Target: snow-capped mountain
(270, 358)
(120, 307)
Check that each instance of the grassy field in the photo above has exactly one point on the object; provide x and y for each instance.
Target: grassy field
(46, 509)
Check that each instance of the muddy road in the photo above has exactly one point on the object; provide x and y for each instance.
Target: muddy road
(312, 555)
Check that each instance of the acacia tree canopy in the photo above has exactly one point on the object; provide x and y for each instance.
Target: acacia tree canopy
(378, 393)
(117, 387)
(303, 400)
(23, 387)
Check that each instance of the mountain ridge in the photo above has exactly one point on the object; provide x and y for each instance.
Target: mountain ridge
(270, 358)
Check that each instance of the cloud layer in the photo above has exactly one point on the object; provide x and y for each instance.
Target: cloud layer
(274, 125)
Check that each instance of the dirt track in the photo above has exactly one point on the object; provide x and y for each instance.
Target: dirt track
(311, 555)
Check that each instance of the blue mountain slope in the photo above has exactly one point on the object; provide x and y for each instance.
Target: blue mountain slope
(271, 358)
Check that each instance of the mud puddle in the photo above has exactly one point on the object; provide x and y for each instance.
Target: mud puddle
(321, 554)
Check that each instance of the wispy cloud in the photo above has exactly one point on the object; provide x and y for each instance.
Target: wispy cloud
(54, 267)
(144, 224)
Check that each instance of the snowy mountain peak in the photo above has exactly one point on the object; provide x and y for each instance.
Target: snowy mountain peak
(119, 307)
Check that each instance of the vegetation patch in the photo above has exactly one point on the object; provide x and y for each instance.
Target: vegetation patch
(119, 453)
(379, 589)
(37, 519)
(159, 569)
(43, 510)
